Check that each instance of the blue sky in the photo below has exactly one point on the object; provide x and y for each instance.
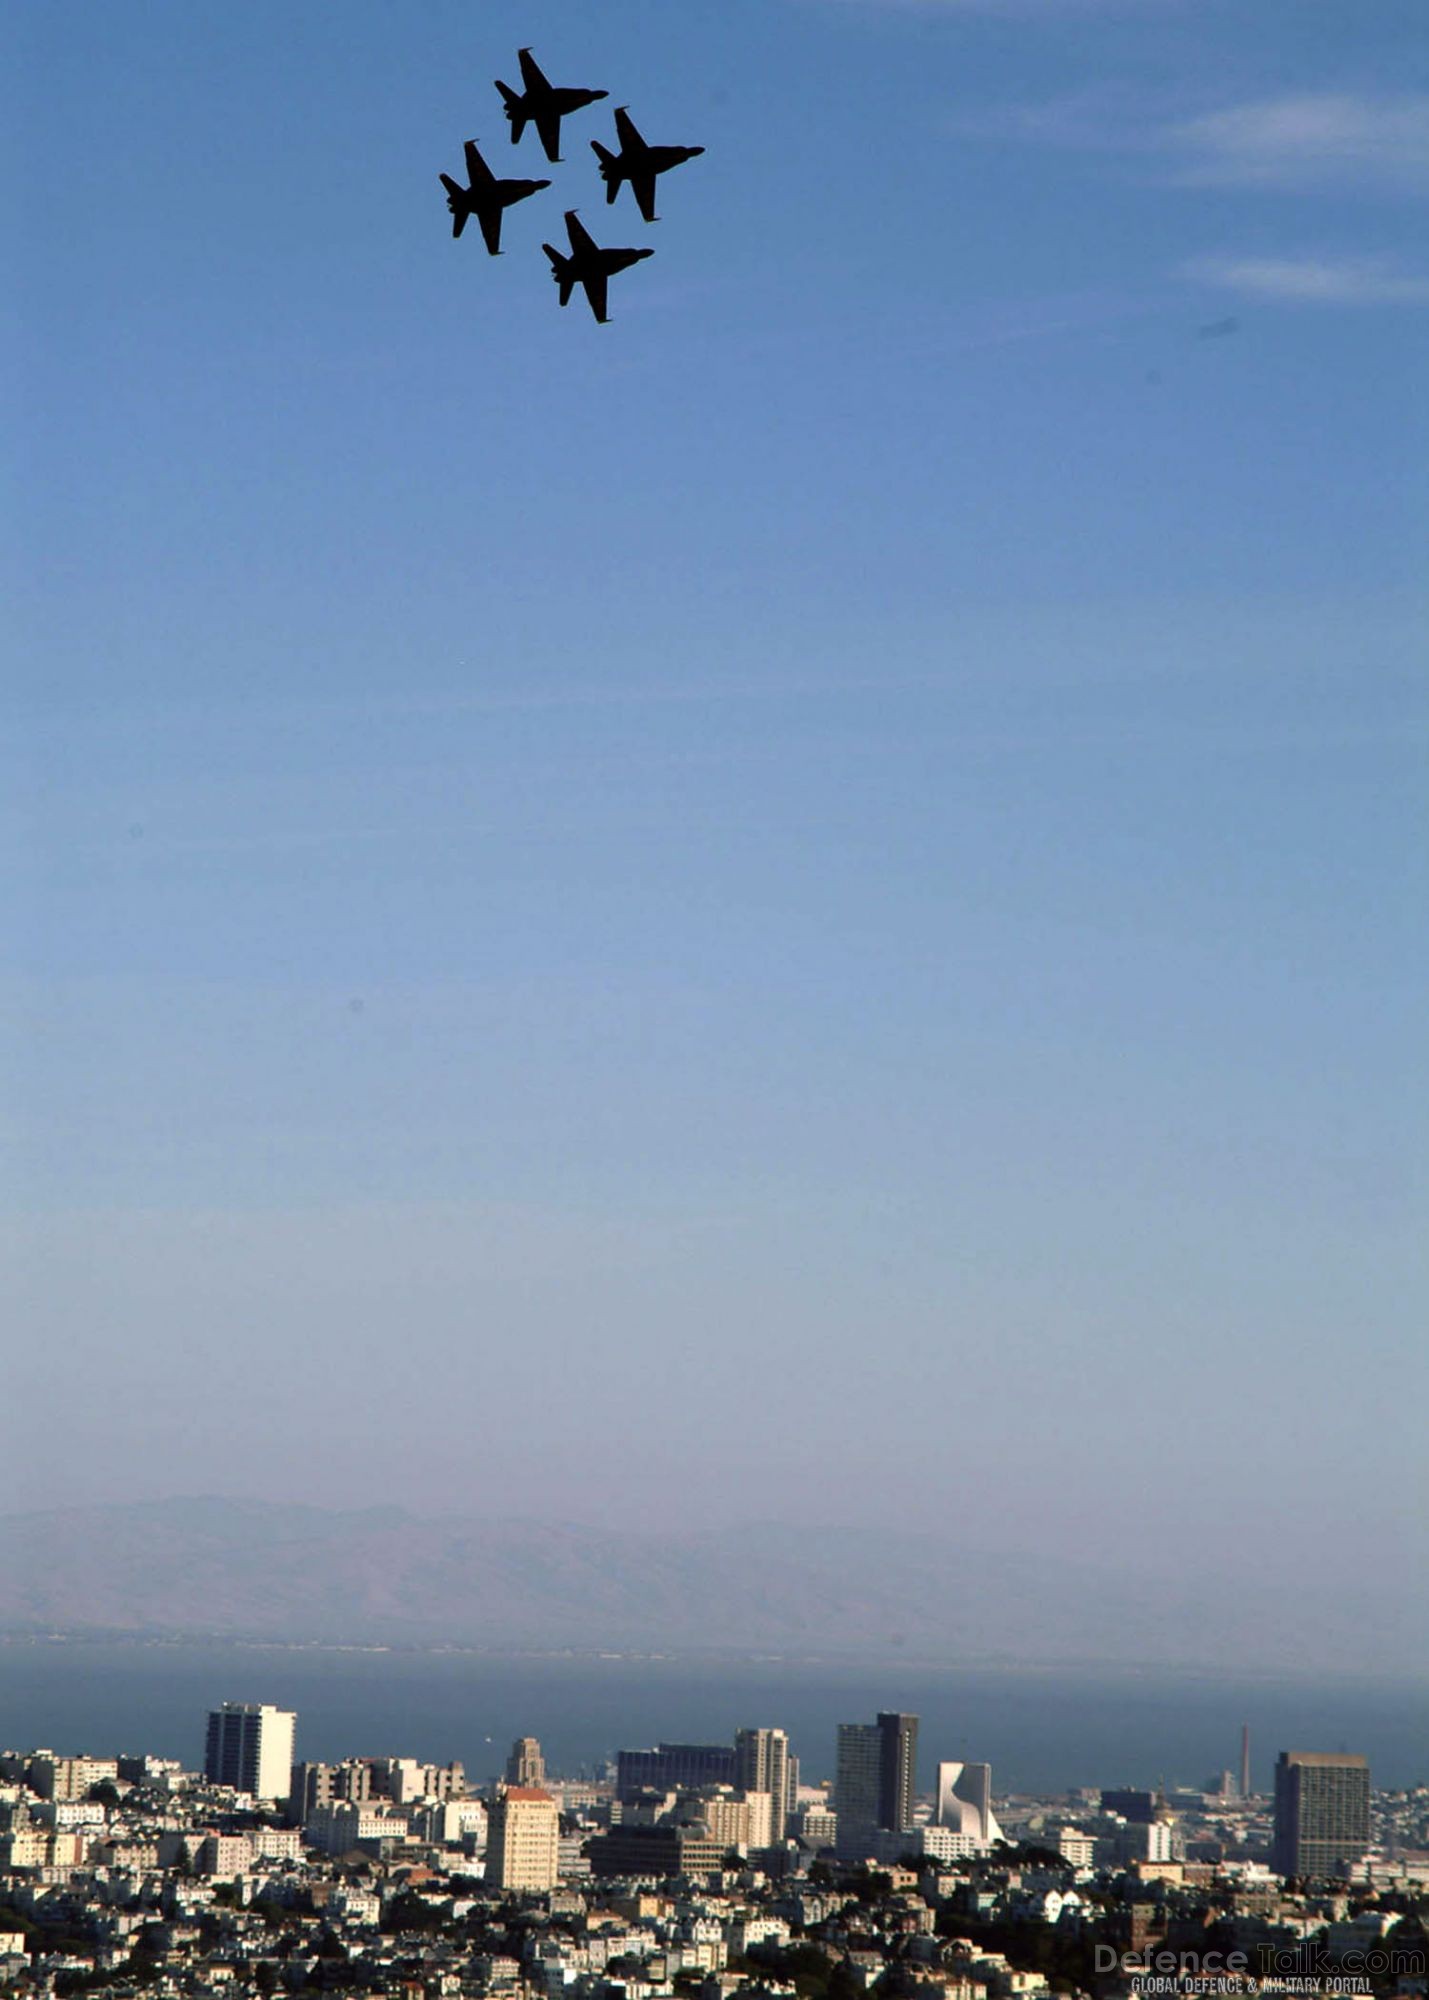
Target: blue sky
(814, 897)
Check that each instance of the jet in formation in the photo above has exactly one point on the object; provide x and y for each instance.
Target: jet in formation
(543, 104)
(487, 198)
(588, 265)
(637, 163)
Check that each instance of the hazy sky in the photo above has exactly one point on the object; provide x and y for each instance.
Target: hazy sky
(808, 905)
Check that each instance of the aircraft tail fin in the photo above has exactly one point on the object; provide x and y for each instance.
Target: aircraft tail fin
(562, 272)
(609, 169)
(515, 109)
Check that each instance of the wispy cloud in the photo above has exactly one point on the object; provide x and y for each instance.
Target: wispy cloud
(1304, 140)
(1309, 139)
(1349, 281)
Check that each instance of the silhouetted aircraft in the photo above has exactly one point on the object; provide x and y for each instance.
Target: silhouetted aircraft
(588, 265)
(637, 163)
(544, 104)
(486, 198)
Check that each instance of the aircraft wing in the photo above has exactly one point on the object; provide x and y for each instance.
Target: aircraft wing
(579, 239)
(490, 220)
(531, 71)
(454, 203)
(642, 186)
(595, 286)
(630, 139)
(548, 127)
(477, 171)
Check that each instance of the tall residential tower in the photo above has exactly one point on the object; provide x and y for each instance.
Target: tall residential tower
(523, 1839)
(874, 1781)
(1321, 1812)
(762, 1764)
(250, 1746)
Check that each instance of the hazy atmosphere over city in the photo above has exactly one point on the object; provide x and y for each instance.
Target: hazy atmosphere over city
(784, 936)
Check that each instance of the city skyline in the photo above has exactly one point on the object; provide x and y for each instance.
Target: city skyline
(135, 1871)
(1319, 1825)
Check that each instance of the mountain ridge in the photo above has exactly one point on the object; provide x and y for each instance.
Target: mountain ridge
(268, 1569)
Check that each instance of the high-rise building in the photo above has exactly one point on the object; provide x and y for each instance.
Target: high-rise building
(526, 1765)
(523, 1839)
(762, 1764)
(874, 1781)
(736, 1819)
(673, 1767)
(964, 1802)
(250, 1747)
(1138, 1808)
(1321, 1812)
(856, 1788)
(899, 1770)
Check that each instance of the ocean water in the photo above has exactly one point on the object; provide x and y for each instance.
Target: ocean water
(1042, 1731)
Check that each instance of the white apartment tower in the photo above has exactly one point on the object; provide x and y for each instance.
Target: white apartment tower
(523, 1841)
(250, 1747)
(762, 1764)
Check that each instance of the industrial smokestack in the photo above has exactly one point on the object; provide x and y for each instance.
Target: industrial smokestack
(1245, 1760)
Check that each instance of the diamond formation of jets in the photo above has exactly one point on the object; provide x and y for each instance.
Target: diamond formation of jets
(589, 266)
(638, 163)
(486, 198)
(542, 104)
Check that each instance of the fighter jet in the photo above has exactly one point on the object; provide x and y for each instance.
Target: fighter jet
(543, 103)
(637, 163)
(588, 265)
(486, 198)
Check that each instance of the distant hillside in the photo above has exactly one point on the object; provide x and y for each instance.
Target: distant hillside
(272, 1571)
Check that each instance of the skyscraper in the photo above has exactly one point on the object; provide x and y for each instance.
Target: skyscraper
(874, 1780)
(523, 1839)
(526, 1765)
(964, 1802)
(673, 1767)
(762, 1764)
(250, 1746)
(898, 1773)
(856, 1788)
(1321, 1812)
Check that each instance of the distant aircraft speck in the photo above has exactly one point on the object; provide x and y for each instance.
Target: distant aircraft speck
(543, 104)
(588, 265)
(486, 198)
(637, 163)
(1217, 329)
